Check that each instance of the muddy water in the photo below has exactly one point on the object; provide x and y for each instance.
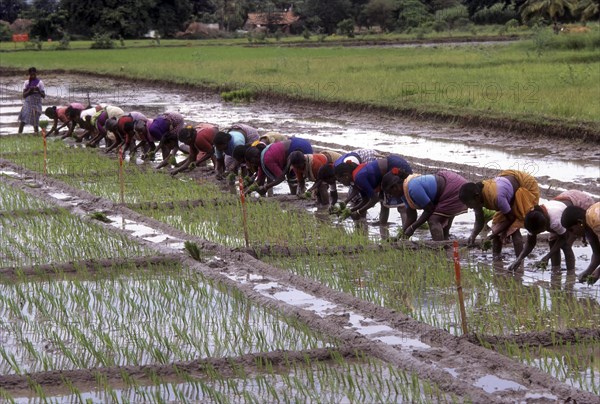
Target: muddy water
(475, 148)
(429, 146)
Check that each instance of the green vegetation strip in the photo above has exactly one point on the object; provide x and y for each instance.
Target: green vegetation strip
(529, 81)
(299, 251)
(267, 223)
(577, 364)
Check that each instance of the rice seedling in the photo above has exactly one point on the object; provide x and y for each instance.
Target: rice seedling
(193, 249)
(268, 224)
(243, 95)
(101, 217)
(99, 175)
(575, 364)
(124, 317)
(61, 237)
(12, 199)
(351, 380)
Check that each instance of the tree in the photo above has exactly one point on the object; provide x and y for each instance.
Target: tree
(50, 26)
(330, 12)
(202, 7)
(114, 17)
(48, 20)
(170, 16)
(475, 5)
(413, 13)
(382, 13)
(10, 10)
(546, 8)
(587, 10)
(231, 14)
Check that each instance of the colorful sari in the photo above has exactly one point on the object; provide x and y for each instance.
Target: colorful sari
(32, 104)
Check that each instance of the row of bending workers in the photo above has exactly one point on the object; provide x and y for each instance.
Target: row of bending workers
(513, 197)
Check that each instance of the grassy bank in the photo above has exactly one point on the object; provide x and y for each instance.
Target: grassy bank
(546, 79)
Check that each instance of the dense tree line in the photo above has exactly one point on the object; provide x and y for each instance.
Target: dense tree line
(133, 18)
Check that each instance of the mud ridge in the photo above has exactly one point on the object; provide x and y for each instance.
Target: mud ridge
(474, 361)
(539, 338)
(90, 265)
(223, 367)
(31, 212)
(548, 128)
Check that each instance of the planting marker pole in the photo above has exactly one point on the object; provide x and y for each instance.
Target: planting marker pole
(244, 216)
(45, 160)
(463, 314)
(121, 176)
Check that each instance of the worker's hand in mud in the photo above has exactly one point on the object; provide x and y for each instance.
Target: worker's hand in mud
(409, 231)
(356, 215)
(148, 156)
(514, 266)
(262, 190)
(471, 241)
(589, 279)
(220, 176)
(541, 264)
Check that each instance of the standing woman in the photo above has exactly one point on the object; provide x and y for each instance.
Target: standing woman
(33, 92)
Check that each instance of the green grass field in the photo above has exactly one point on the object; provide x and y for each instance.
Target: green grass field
(546, 78)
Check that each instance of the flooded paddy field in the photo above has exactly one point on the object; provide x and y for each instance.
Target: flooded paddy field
(314, 307)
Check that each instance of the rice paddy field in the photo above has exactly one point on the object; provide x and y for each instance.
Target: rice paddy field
(122, 283)
(98, 304)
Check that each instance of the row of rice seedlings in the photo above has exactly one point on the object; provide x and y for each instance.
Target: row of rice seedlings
(91, 170)
(147, 317)
(419, 284)
(576, 364)
(12, 199)
(61, 237)
(343, 380)
(25, 145)
(268, 224)
(503, 305)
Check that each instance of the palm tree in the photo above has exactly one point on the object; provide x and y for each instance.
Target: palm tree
(587, 9)
(550, 8)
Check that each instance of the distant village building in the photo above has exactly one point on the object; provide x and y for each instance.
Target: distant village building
(198, 29)
(271, 21)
